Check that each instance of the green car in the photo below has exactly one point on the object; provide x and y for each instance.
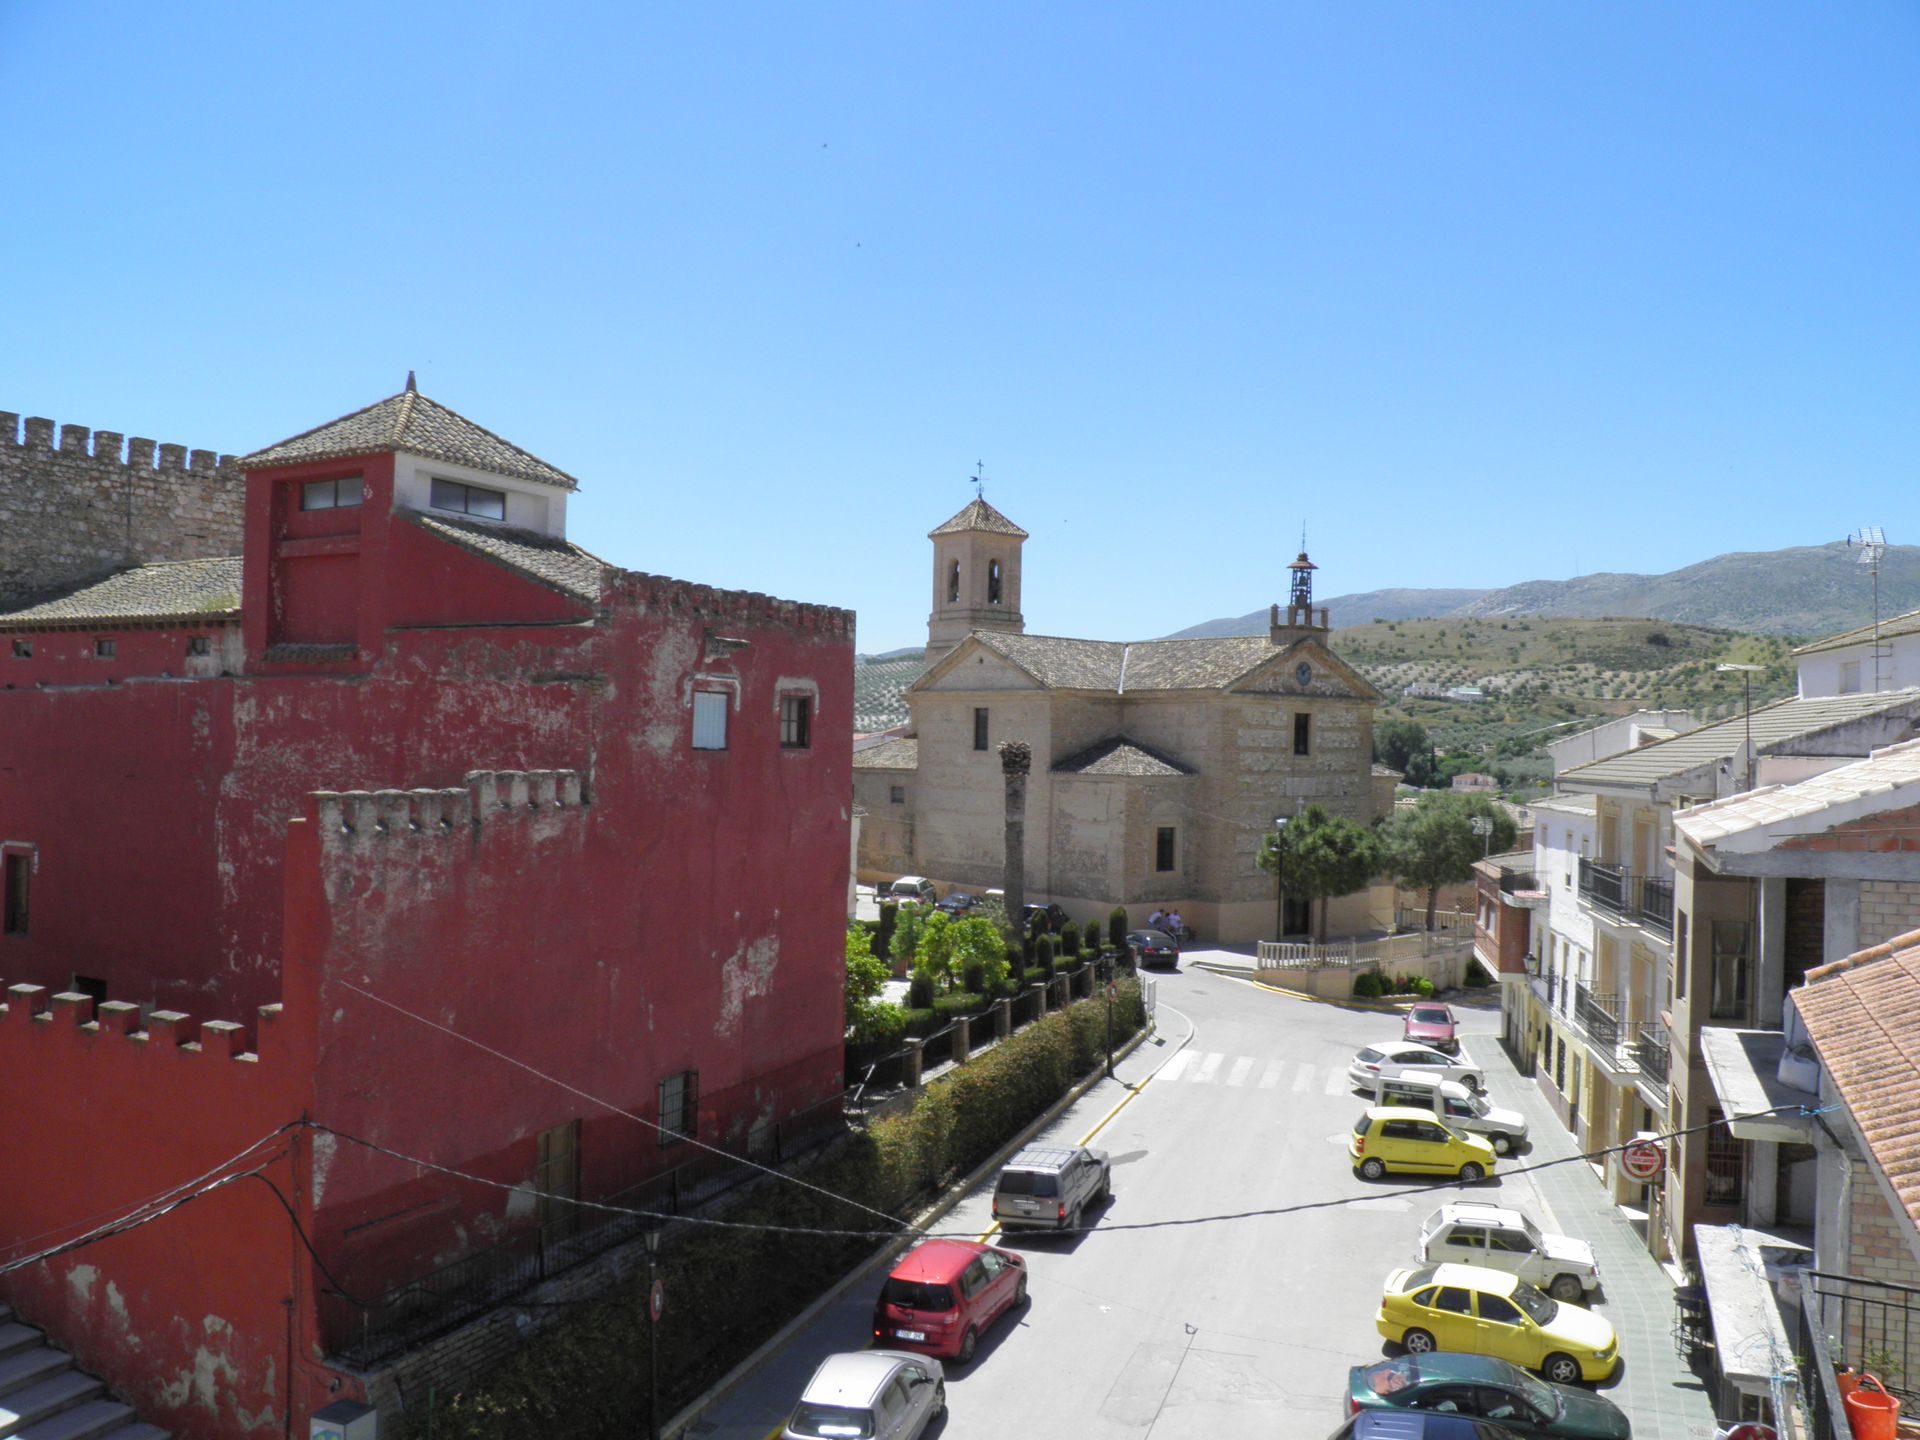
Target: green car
(1487, 1389)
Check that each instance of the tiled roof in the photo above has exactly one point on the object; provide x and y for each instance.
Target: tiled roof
(1773, 724)
(556, 563)
(1907, 624)
(1125, 667)
(878, 688)
(896, 753)
(1119, 756)
(1859, 1014)
(168, 590)
(1889, 779)
(1567, 804)
(978, 516)
(411, 422)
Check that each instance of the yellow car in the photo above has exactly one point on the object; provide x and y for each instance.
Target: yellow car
(1491, 1312)
(1398, 1138)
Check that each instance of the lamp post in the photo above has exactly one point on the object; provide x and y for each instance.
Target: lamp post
(655, 1298)
(1746, 686)
(1279, 880)
(1482, 825)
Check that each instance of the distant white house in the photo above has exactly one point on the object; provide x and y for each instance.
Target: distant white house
(1471, 782)
(1471, 694)
(1844, 664)
(1629, 732)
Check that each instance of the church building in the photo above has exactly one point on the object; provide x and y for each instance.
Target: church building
(1158, 765)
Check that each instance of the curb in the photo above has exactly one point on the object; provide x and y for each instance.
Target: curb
(678, 1425)
(1356, 1002)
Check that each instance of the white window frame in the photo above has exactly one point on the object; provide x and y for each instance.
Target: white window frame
(710, 719)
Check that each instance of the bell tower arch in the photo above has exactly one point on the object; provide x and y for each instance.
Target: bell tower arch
(976, 577)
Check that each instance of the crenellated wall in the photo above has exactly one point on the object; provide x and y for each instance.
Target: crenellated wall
(95, 502)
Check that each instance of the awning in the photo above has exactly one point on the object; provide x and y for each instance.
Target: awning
(1753, 1341)
(1744, 1066)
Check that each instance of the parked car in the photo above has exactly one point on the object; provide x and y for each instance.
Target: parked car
(1492, 1312)
(911, 890)
(1398, 1056)
(1459, 1107)
(942, 1294)
(960, 904)
(1480, 1385)
(1153, 947)
(1472, 1233)
(1046, 919)
(1390, 1138)
(1431, 1023)
(1051, 1187)
(871, 1394)
(1417, 1425)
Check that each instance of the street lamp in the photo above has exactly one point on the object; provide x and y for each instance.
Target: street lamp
(654, 1306)
(1747, 673)
(1279, 880)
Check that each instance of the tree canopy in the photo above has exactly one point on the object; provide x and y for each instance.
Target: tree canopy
(1433, 842)
(1321, 856)
(1404, 745)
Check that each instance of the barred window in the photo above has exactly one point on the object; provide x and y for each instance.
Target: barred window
(709, 720)
(679, 1106)
(1726, 1163)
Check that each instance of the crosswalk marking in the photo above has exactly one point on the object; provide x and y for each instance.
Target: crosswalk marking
(1177, 1066)
(1209, 1067)
(1272, 1077)
(1303, 1082)
(1337, 1081)
(1238, 1072)
(1241, 1067)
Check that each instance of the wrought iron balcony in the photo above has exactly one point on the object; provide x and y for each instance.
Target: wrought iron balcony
(1599, 1016)
(1650, 1053)
(1656, 903)
(1645, 900)
(1604, 886)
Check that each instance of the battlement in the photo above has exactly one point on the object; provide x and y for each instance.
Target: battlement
(643, 592)
(112, 447)
(170, 1031)
(489, 796)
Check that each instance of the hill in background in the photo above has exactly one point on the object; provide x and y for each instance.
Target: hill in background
(1809, 591)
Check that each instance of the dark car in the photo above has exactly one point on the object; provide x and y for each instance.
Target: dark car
(1418, 1425)
(1487, 1389)
(1153, 947)
(1046, 919)
(960, 904)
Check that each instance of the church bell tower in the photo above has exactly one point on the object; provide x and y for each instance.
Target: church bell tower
(976, 577)
(1301, 618)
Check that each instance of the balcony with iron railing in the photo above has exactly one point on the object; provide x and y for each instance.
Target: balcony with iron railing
(1612, 891)
(1651, 1055)
(1599, 1016)
(1847, 1323)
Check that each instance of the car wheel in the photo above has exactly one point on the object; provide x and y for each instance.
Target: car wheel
(1565, 1287)
(1020, 1293)
(968, 1343)
(1106, 1188)
(940, 1400)
(1418, 1342)
(1502, 1144)
(1073, 1220)
(1471, 1173)
(1560, 1368)
(1372, 1169)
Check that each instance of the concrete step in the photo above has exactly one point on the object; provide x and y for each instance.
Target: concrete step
(83, 1422)
(29, 1366)
(15, 1337)
(33, 1403)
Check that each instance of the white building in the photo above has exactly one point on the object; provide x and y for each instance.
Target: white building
(1845, 664)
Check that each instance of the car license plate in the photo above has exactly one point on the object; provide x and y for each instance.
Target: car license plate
(910, 1334)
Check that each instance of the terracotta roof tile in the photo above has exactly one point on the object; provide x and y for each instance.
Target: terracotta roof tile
(167, 590)
(1120, 756)
(978, 517)
(898, 753)
(553, 562)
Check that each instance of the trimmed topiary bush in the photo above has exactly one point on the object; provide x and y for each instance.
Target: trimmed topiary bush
(920, 991)
(1366, 985)
(973, 977)
(1423, 988)
(883, 932)
(1043, 955)
(1117, 928)
(1091, 941)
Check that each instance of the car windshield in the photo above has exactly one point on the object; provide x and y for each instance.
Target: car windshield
(831, 1420)
(1539, 1308)
(1431, 1015)
(1533, 1233)
(913, 1295)
(1369, 1056)
(1026, 1182)
(1537, 1393)
(1478, 1104)
(1392, 1375)
(1414, 1279)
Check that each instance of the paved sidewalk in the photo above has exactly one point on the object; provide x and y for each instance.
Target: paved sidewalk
(1663, 1398)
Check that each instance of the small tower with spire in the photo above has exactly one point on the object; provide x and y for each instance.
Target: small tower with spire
(976, 576)
(1301, 618)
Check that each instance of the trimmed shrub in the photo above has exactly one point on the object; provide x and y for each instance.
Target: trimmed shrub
(1423, 987)
(958, 1002)
(1091, 943)
(883, 932)
(1035, 975)
(1029, 945)
(920, 990)
(1366, 984)
(1117, 928)
(921, 1021)
(1043, 955)
(973, 976)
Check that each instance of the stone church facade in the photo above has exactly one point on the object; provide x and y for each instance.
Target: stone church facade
(1157, 765)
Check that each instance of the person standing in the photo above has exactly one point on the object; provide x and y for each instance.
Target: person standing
(1176, 927)
(1157, 920)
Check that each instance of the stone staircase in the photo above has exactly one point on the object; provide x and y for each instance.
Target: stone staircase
(42, 1397)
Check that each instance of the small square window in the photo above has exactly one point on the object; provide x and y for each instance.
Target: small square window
(980, 728)
(796, 722)
(106, 649)
(896, 794)
(331, 494)
(679, 1107)
(23, 649)
(199, 645)
(1164, 854)
(18, 886)
(709, 720)
(1301, 727)
(475, 500)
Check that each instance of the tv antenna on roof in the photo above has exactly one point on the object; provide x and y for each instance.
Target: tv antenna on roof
(1871, 543)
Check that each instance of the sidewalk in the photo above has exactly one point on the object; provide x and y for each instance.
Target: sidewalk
(761, 1402)
(1662, 1397)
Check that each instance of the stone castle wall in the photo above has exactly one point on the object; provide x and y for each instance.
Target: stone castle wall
(96, 502)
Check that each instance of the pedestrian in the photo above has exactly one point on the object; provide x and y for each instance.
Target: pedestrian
(1176, 927)
(1157, 920)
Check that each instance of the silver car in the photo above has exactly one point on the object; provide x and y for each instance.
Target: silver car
(869, 1395)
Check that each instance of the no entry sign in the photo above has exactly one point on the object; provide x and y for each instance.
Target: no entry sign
(1643, 1160)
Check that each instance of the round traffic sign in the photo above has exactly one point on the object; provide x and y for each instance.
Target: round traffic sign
(1643, 1160)
(1113, 991)
(657, 1299)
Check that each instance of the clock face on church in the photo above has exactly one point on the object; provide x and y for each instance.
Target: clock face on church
(1303, 673)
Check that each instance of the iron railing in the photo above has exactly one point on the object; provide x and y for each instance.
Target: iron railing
(1603, 885)
(1655, 903)
(1599, 1016)
(1637, 899)
(1650, 1053)
(1868, 1326)
(1512, 880)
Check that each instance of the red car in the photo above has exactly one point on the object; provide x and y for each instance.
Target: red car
(942, 1293)
(1429, 1023)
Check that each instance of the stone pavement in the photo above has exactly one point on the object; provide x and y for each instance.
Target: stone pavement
(1662, 1397)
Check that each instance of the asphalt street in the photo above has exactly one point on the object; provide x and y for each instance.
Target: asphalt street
(1233, 1279)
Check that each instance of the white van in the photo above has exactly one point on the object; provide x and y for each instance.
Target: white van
(912, 889)
(1461, 1108)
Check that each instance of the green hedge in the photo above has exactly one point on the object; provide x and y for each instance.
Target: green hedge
(728, 1290)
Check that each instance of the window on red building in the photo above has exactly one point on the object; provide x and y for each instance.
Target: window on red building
(199, 645)
(709, 720)
(475, 500)
(679, 1107)
(106, 649)
(18, 884)
(23, 649)
(331, 494)
(796, 722)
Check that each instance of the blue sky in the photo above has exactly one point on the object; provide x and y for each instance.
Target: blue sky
(1482, 293)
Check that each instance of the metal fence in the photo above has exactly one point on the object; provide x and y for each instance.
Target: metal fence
(1388, 950)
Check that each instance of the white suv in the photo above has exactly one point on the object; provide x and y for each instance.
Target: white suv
(1474, 1233)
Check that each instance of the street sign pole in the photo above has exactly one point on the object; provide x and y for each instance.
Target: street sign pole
(654, 1298)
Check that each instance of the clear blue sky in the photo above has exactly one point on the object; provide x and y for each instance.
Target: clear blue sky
(1482, 293)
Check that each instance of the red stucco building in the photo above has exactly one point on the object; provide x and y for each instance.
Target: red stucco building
(416, 822)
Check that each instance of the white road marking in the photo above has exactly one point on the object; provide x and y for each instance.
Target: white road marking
(1209, 1067)
(1177, 1066)
(1272, 1077)
(1337, 1081)
(1303, 1082)
(1241, 1068)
